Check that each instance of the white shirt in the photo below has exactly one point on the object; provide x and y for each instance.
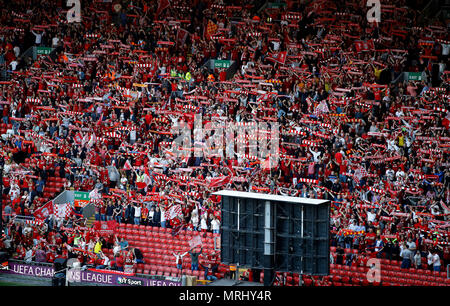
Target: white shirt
(55, 41)
(14, 65)
(203, 224)
(411, 245)
(276, 45)
(137, 212)
(315, 155)
(38, 37)
(29, 255)
(371, 216)
(215, 224)
(16, 51)
(429, 258)
(82, 244)
(194, 219)
(353, 227)
(178, 256)
(436, 260)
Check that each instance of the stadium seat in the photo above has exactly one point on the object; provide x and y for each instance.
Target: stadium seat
(307, 282)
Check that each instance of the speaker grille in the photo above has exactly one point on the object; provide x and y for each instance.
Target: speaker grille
(300, 235)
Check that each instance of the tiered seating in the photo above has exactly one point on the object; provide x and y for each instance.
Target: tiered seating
(158, 245)
(391, 274)
(4, 127)
(53, 187)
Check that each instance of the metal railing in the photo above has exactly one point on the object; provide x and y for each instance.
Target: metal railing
(448, 271)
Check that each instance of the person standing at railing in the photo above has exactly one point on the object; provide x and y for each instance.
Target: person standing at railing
(418, 261)
(436, 261)
(194, 258)
(137, 214)
(407, 256)
(179, 261)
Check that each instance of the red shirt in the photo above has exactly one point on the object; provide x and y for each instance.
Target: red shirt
(119, 261)
(343, 168)
(129, 259)
(446, 252)
(338, 157)
(370, 238)
(50, 257)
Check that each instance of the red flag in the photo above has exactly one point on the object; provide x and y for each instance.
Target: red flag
(147, 178)
(364, 45)
(107, 226)
(279, 57)
(182, 34)
(211, 29)
(195, 241)
(99, 121)
(44, 211)
(78, 138)
(173, 211)
(127, 165)
(219, 181)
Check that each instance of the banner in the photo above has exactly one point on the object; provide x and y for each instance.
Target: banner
(173, 212)
(414, 76)
(222, 63)
(105, 277)
(279, 57)
(81, 198)
(44, 211)
(219, 181)
(105, 226)
(364, 45)
(195, 241)
(211, 29)
(62, 210)
(182, 34)
(43, 50)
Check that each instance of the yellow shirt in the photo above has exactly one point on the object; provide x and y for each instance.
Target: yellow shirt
(188, 76)
(377, 73)
(97, 247)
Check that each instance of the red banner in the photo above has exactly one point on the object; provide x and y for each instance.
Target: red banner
(279, 57)
(364, 45)
(44, 211)
(105, 226)
(219, 181)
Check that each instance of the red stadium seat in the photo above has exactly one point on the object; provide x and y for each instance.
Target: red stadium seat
(307, 282)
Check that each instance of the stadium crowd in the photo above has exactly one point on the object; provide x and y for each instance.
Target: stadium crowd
(102, 110)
